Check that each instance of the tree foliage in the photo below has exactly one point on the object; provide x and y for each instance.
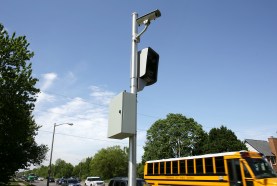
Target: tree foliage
(223, 140)
(110, 162)
(106, 163)
(17, 97)
(62, 169)
(174, 136)
(140, 170)
(77, 170)
(85, 171)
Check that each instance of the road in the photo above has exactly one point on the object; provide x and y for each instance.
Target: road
(44, 183)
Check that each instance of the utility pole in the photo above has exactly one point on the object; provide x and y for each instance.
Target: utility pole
(134, 80)
(136, 22)
(123, 107)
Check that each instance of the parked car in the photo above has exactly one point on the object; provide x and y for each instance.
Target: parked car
(31, 177)
(94, 181)
(51, 179)
(71, 182)
(40, 178)
(60, 181)
(123, 181)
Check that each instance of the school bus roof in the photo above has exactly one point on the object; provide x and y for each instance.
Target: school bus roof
(199, 156)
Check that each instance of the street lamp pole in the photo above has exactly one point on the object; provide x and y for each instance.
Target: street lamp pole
(134, 79)
(50, 164)
(136, 22)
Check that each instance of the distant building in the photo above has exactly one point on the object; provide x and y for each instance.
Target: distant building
(267, 148)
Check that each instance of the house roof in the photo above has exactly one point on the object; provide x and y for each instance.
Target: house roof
(261, 146)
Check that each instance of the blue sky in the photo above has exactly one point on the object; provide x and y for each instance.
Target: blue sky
(217, 65)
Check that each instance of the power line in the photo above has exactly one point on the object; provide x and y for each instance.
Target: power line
(87, 138)
(82, 118)
(84, 100)
(102, 105)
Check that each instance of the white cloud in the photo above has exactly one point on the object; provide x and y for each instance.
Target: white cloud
(90, 123)
(100, 95)
(74, 106)
(48, 80)
(44, 97)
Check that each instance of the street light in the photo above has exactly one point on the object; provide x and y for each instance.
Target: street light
(55, 125)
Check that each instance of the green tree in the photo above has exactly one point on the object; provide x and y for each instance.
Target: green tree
(77, 170)
(42, 171)
(223, 140)
(86, 168)
(140, 170)
(17, 97)
(110, 162)
(174, 136)
(62, 169)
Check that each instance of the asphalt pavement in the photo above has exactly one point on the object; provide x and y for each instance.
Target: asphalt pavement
(44, 183)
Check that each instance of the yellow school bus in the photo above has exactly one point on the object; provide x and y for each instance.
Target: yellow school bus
(223, 169)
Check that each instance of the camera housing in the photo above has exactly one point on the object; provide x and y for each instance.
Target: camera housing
(148, 17)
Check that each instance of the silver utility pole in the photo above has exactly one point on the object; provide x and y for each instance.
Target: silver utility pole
(134, 80)
(136, 22)
(50, 163)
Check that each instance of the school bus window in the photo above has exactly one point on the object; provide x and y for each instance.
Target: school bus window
(190, 166)
(238, 170)
(168, 167)
(175, 167)
(182, 166)
(246, 172)
(162, 168)
(156, 168)
(261, 168)
(231, 171)
(219, 162)
(209, 165)
(150, 168)
(199, 166)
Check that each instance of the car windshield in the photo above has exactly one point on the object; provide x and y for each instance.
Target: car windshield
(94, 179)
(72, 181)
(261, 168)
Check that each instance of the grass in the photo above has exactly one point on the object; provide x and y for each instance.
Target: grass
(17, 183)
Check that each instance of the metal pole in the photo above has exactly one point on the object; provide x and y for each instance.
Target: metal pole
(49, 171)
(134, 80)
